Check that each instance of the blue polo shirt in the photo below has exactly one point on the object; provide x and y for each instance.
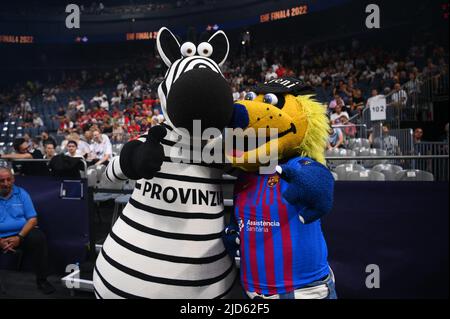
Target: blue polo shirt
(15, 211)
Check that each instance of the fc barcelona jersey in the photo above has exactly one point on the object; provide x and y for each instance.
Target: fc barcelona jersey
(278, 252)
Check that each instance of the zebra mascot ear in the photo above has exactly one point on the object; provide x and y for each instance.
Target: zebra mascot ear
(221, 47)
(168, 46)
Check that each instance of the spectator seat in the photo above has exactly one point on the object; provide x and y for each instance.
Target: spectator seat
(358, 142)
(365, 175)
(414, 175)
(343, 170)
(389, 170)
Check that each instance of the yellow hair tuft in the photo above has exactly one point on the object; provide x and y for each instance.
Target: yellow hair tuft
(315, 140)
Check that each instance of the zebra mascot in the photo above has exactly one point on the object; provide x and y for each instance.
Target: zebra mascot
(168, 241)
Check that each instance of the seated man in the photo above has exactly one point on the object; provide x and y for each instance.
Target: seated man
(49, 150)
(72, 150)
(18, 222)
(399, 97)
(386, 141)
(46, 138)
(23, 152)
(101, 148)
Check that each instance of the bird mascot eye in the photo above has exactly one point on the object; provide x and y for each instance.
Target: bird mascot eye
(270, 98)
(250, 96)
(205, 49)
(188, 49)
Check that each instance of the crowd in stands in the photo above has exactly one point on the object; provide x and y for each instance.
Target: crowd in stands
(89, 130)
(345, 78)
(342, 75)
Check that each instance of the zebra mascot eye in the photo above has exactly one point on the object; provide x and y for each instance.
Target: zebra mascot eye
(188, 49)
(205, 49)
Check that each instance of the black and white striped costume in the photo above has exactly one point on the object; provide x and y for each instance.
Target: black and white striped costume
(168, 241)
(178, 68)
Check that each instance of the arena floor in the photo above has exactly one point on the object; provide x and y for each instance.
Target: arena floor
(21, 285)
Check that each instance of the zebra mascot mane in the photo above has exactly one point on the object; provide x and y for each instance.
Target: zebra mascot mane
(167, 243)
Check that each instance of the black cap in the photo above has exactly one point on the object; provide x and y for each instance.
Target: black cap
(284, 85)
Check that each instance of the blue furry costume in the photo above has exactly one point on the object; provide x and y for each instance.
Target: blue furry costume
(283, 253)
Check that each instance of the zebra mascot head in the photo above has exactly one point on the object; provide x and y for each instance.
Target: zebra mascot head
(194, 87)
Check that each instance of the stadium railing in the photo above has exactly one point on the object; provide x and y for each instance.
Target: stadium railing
(435, 87)
(42, 160)
(419, 105)
(431, 165)
(434, 164)
(403, 138)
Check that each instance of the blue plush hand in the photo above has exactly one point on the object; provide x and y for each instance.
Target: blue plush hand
(310, 185)
(232, 240)
(292, 176)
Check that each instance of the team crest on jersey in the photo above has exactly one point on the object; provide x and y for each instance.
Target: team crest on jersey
(240, 224)
(305, 162)
(273, 180)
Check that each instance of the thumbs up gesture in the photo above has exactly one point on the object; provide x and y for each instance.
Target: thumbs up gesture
(149, 156)
(143, 159)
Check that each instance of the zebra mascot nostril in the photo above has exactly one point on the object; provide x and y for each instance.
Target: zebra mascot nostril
(167, 243)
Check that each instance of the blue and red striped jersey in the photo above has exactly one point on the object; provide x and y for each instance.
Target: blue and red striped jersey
(278, 252)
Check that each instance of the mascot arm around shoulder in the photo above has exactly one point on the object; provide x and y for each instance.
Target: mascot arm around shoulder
(309, 183)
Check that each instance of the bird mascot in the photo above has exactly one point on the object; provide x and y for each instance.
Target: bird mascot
(283, 253)
(167, 243)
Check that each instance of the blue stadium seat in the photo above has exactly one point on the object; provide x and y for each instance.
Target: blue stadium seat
(42, 129)
(55, 125)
